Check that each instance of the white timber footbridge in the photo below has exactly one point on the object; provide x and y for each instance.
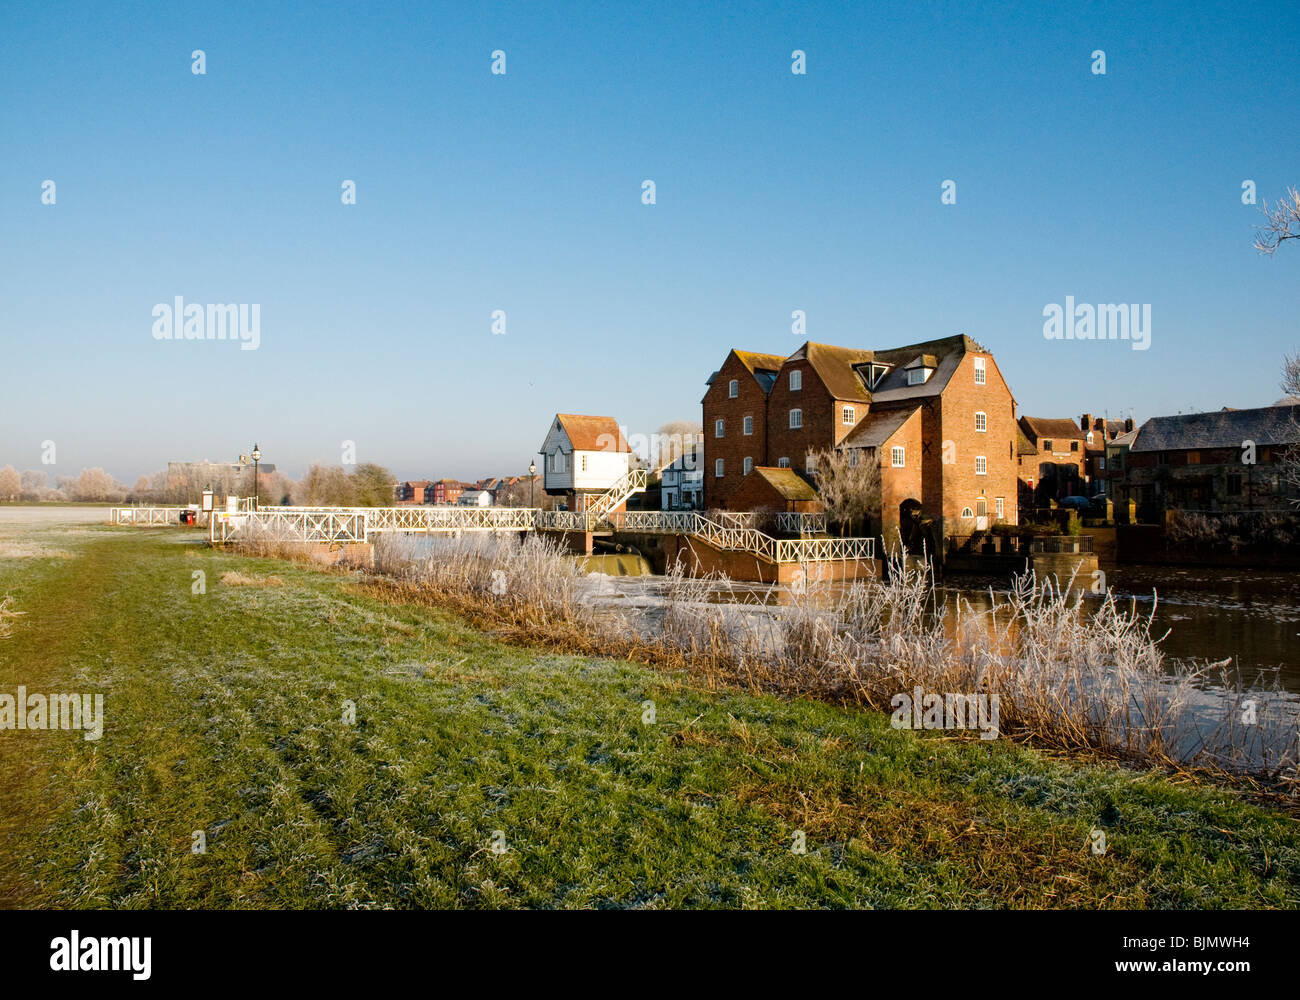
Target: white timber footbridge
(722, 530)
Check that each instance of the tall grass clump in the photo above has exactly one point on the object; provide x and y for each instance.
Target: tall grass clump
(7, 615)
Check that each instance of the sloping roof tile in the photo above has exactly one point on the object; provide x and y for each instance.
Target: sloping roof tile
(592, 433)
(1266, 425)
(787, 482)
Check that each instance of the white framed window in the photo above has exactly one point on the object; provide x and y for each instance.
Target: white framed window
(967, 512)
(981, 465)
(981, 421)
(749, 465)
(915, 376)
(717, 427)
(1000, 506)
(850, 416)
(749, 425)
(898, 457)
(981, 507)
(796, 380)
(783, 463)
(1090, 437)
(733, 389)
(717, 468)
(796, 418)
(810, 462)
(979, 371)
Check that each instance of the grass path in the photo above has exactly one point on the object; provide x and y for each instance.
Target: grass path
(225, 714)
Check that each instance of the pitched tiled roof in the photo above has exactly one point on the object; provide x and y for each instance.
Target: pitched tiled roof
(592, 433)
(787, 482)
(834, 366)
(1267, 425)
(877, 427)
(1052, 428)
(1023, 445)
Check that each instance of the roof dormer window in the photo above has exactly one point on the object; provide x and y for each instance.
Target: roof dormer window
(915, 376)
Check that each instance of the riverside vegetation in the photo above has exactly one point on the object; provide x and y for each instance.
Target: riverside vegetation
(490, 762)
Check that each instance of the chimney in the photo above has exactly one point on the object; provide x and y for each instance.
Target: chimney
(1128, 424)
(1086, 423)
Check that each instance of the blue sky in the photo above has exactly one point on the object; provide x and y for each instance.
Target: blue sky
(522, 192)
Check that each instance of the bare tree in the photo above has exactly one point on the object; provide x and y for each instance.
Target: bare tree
(11, 484)
(93, 485)
(674, 439)
(1282, 222)
(1291, 457)
(849, 483)
(35, 484)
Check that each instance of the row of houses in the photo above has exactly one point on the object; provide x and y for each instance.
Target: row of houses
(941, 422)
(489, 492)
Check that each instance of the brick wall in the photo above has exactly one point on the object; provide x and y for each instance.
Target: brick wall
(734, 446)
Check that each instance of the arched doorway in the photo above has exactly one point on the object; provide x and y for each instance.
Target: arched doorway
(909, 525)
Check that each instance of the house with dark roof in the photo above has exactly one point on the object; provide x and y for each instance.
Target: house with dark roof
(411, 492)
(937, 416)
(582, 457)
(1223, 460)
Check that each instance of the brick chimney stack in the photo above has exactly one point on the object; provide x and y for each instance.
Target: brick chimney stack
(1086, 423)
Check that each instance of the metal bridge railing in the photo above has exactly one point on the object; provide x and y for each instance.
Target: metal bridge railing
(145, 516)
(634, 481)
(332, 527)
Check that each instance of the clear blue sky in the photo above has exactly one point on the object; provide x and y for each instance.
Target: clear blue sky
(522, 192)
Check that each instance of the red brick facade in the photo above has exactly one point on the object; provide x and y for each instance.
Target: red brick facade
(958, 431)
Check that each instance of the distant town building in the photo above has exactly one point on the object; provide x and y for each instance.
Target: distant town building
(682, 481)
(474, 498)
(411, 492)
(1224, 460)
(445, 491)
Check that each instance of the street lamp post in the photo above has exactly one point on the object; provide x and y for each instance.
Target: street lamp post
(532, 483)
(257, 456)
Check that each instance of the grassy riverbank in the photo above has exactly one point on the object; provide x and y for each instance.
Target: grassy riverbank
(224, 713)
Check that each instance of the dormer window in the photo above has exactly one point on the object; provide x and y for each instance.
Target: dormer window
(878, 372)
(915, 376)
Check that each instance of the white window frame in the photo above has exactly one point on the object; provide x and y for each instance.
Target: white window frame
(850, 416)
(915, 376)
(898, 457)
(783, 463)
(718, 468)
(796, 419)
(981, 465)
(981, 422)
(733, 388)
(967, 512)
(748, 466)
(979, 372)
(1000, 505)
(796, 380)
(749, 426)
(719, 427)
(810, 463)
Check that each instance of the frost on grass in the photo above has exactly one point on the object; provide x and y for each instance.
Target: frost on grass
(236, 579)
(31, 550)
(7, 615)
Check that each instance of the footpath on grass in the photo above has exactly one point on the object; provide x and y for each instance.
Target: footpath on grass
(274, 737)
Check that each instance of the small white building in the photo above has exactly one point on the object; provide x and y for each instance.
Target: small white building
(682, 481)
(583, 456)
(474, 498)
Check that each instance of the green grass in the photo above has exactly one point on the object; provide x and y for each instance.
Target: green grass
(224, 713)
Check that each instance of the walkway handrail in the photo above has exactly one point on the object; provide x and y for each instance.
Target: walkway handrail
(633, 481)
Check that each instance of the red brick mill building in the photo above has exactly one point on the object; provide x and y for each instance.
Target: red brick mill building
(938, 417)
